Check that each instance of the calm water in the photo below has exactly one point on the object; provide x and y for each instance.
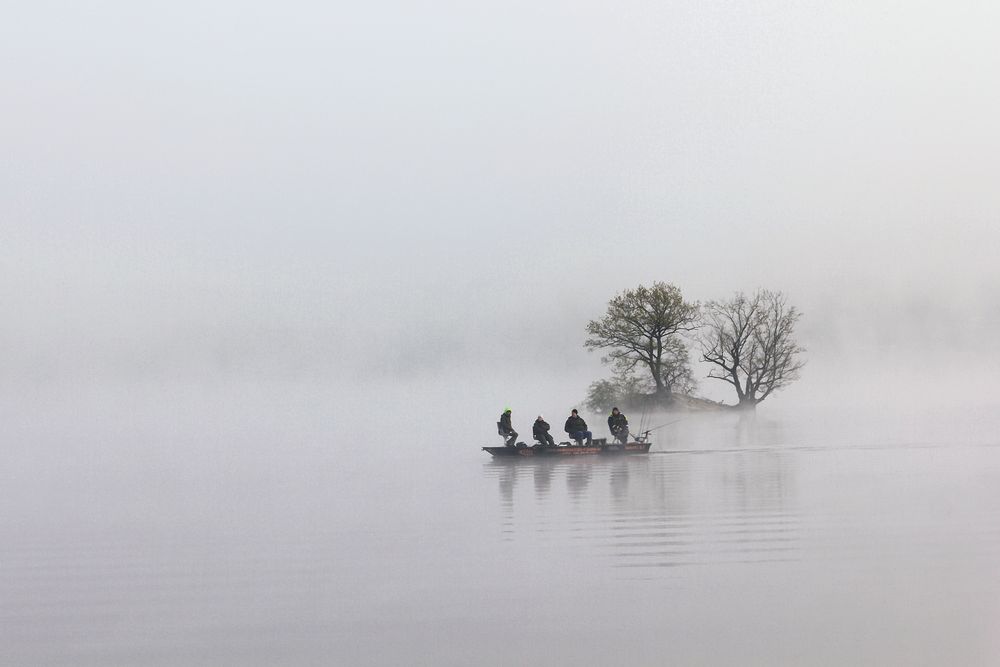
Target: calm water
(249, 528)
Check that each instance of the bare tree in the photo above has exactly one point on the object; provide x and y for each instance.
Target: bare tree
(751, 341)
(640, 328)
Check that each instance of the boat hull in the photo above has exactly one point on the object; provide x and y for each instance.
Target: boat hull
(572, 450)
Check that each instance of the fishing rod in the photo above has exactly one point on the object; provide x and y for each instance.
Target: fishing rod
(643, 435)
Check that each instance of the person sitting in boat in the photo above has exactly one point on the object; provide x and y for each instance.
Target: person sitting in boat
(618, 425)
(540, 430)
(577, 428)
(505, 429)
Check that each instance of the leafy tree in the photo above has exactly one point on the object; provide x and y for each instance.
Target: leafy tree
(621, 391)
(676, 374)
(751, 341)
(641, 329)
(602, 396)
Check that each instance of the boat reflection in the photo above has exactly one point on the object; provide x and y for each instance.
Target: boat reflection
(695, 507)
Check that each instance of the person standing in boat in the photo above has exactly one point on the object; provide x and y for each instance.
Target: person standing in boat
(618, 425)
(577, 428)
(506, 430)
(540, 431)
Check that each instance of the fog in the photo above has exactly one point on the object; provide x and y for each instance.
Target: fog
(389, 190)
(237, 239)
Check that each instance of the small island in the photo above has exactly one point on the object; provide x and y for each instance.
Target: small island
(648, 334)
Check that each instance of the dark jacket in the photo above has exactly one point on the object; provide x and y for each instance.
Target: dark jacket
(575, 423)
(540, 428)
(505, 423)
(617, 422)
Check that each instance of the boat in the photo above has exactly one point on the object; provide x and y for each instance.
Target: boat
(597, 446)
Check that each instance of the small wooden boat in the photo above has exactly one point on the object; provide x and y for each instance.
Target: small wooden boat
(598, 446)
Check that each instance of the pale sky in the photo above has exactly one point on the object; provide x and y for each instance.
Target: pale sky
(314, 187)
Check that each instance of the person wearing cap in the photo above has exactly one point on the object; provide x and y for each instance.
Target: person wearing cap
(618, 425)
(505, 429)
(577, 428)
(540, 431)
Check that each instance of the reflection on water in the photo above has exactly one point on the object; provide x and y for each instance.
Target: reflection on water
(879, 522)
(806, 539)
(661, 510)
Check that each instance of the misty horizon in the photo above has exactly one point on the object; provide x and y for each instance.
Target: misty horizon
(441, 212)
(269, 275)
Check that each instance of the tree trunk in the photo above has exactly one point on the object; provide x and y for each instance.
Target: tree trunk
(657, 379)
(663, 397)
